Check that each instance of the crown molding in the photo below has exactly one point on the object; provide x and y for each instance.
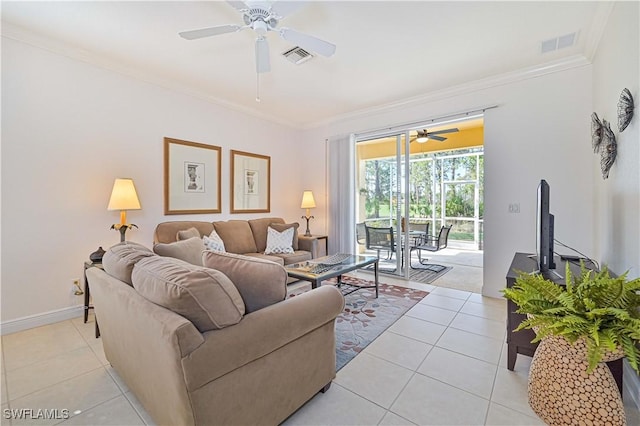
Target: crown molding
(22, 35)
(465, 88)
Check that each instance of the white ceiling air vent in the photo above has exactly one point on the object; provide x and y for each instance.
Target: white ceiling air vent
(558, 43)
(297, 55)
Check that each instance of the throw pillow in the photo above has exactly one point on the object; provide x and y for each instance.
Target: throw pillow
(260, 282)
(118, 261)
(284, 226)
(279, 242)
(213, 242)
(188, 250)
(185, 234)
(204, 296)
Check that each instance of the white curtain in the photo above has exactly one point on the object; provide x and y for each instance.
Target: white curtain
(341, 196)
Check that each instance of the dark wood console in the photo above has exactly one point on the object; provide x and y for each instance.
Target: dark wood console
(519, 342)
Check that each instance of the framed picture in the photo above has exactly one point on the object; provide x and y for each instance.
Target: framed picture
(250, 183)
(191, 177)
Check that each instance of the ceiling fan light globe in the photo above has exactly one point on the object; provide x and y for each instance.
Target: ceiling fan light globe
(261, 28)
(422, 139)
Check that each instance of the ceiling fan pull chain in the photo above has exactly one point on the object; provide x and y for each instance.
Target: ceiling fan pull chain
(257, 87)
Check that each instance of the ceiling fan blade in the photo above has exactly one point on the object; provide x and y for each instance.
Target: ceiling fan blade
(437, 138)
(238, 5)
(208, 32)
(286, 8)
(262, 56)
(438, 132)
(308, 42)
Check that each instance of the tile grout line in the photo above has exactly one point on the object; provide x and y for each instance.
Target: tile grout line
(416, 372)
(493, 385)
(98, 405)
(134, 407)
(56, 383)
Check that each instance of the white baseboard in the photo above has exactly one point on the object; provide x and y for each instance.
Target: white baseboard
(38, 320)
(630, 386)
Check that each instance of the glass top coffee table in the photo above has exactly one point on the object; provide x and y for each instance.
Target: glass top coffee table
(323, 268)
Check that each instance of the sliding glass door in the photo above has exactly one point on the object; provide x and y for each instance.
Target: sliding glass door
(382, 188)
(413, 178)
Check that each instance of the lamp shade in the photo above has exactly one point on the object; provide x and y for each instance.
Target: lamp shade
(123, 196)
(308, 201)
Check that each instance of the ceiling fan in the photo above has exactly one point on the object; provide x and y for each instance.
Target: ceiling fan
(262, 17)
(424, 135)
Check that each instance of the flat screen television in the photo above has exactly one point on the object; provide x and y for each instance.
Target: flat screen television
(544, 230)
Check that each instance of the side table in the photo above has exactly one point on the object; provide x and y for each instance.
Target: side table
(319, 251)
(326, 244)
(87, 296)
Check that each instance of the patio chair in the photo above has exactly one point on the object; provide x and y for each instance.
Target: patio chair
(361, 234)
(418, 232)
(432, 243)
(380, 239)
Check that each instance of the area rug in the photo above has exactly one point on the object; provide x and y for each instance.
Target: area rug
(427, 273)
(364, 317)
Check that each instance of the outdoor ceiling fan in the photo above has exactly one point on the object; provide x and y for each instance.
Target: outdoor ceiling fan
(424, 135)
(262, 17)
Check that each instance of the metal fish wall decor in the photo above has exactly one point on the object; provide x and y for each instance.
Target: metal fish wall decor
(625, 109)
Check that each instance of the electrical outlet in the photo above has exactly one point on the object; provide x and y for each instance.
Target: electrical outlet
(76, 289)
(514, 208)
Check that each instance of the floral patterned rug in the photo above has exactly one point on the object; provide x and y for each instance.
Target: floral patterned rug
(364, 317)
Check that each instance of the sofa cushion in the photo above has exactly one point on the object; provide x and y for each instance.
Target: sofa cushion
(188, 250)
(259, 230)
(185, 234)
(260, 282)
(213, 242)
(204, 296)
(279, 242)
(118, 260)
(237, 236)
(283, 226)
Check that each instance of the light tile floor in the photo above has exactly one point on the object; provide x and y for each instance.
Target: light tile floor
(443, 362)
(466, 272)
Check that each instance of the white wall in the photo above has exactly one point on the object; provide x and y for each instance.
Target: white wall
(539, 130)
(617, 206)
(68, 129)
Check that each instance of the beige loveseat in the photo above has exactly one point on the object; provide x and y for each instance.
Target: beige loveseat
(180, 337)
(246, 237)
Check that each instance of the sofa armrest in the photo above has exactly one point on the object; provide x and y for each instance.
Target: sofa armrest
(260, 333)
(145, 344)
(309, 244)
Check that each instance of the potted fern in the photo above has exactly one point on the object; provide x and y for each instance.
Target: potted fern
(593, 319)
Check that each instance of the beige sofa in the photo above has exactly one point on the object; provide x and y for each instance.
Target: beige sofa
(182, 340)
(246, 237)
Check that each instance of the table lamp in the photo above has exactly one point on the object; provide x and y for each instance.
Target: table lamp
(308, 203)
(123, 198)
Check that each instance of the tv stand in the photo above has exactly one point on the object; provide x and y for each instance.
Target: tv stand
(519, 342)
(551, 274)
